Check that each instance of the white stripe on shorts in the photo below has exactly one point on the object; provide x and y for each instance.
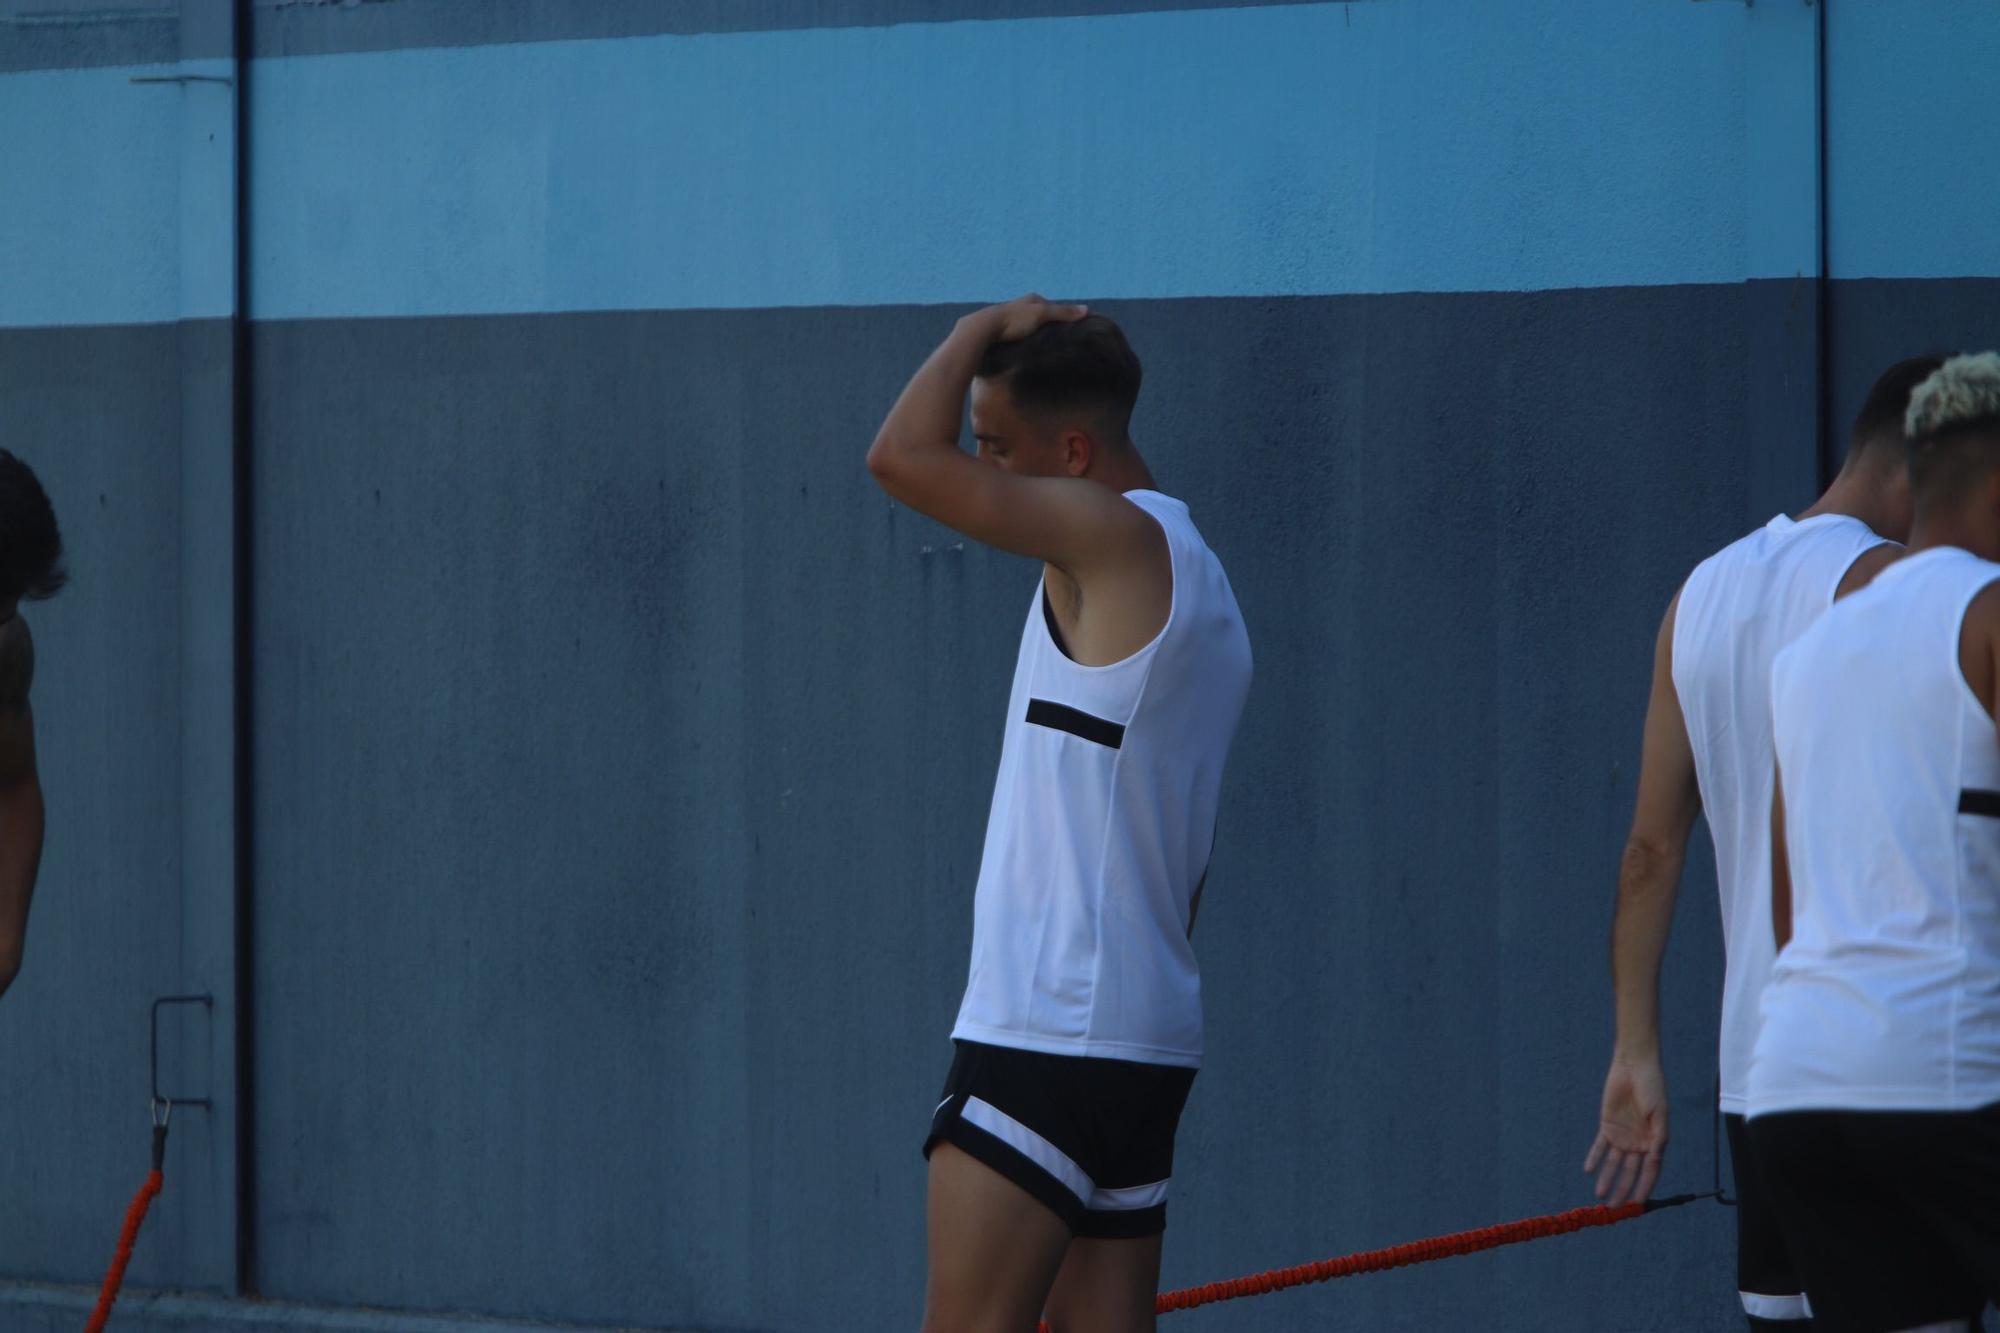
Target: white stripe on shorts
(1057, 1163)
(1129, 1199)
(1030, 1145)
(1759, 1306)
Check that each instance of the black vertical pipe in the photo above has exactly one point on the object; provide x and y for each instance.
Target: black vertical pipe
(245, 899)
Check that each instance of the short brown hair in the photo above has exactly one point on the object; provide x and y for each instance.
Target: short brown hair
(1080, 365)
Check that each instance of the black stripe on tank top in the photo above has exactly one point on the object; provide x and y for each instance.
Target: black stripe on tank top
(1979, 801)
(1062, 717)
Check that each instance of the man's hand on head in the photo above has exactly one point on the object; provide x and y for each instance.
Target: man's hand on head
(1016, 319)
(1060, 518)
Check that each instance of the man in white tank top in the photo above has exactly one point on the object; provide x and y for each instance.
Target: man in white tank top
(1051, 1152)
(1875, 1084)
(1707, 747)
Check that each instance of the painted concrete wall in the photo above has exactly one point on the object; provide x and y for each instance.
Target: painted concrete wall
(620, 755)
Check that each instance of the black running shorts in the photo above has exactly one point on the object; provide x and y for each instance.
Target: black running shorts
(1893, 1216)
(1091, 1139)
(1766, 1278)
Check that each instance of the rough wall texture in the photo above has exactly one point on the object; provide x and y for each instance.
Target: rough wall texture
(706, 730)
(621, 755)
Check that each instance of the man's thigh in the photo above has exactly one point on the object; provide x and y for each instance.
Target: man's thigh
(1106, 1286)
(994, 1249)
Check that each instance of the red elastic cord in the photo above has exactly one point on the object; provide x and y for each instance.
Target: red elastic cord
(107, 1296)
(1397, 1256)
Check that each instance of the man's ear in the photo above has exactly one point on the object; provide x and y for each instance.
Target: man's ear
(1078, 451)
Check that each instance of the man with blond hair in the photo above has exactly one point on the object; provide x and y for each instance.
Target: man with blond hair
(1875, 1082)
(1708, 747)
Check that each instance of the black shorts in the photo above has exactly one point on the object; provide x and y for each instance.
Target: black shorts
(1766, 1278)
(1893, 1216)
(1091, 1139)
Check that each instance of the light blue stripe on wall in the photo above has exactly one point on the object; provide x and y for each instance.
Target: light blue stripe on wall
(1913, 158)
(1411, 145)
(94, 228)
(1290, 150)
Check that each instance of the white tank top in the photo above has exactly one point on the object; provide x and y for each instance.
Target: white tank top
(1102, 823)
(1888, 996)
(1737, 610)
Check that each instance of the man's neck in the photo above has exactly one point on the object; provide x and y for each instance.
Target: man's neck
(1953, 528)
(1852, 495)
(1127, 473)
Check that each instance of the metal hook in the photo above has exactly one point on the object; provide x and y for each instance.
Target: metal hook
(207, 1002)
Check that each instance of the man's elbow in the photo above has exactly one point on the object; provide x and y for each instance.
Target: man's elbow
(1649, 862)
(889, 465)
(882, 459)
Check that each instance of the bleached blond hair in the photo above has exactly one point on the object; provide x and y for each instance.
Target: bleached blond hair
(1963, 390)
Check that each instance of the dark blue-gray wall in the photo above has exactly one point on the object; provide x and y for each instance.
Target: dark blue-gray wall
(618, 755)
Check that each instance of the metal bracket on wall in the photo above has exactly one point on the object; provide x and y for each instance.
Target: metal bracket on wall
(206, 1002)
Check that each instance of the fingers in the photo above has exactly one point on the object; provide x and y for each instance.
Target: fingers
(1628, 1176)
(1597, 1151)
(1612, 1159)
(1022, 316)
(1649, 1174)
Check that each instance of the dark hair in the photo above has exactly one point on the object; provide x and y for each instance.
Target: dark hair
(30, 544)
(1083, 365)
(1880, 420)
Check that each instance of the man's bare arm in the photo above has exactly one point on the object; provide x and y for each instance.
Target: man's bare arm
(1632, 1131)
(22, 816)
(1067, 521)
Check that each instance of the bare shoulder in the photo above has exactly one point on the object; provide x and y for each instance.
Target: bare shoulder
(1663, 641)
(1979, 642)
(17, 665)
(1138, 548)
(1120, 536)
(1866, 566)
(1982, 613)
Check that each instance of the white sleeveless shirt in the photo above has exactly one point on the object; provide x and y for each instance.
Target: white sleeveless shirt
(1737, 610)
(1102, 823)
(1888, 996)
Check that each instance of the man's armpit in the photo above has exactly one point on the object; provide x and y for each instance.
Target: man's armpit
(17, 666)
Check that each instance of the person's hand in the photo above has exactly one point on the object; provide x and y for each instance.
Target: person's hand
(1020, 317)
(1631, 1131)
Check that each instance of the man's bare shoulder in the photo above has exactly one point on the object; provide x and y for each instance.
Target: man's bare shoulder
(17, 665)
(1982, 613)
(1866, 566)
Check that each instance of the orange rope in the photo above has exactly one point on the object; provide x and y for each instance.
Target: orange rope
(127, 1237)
(1398, 1256)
